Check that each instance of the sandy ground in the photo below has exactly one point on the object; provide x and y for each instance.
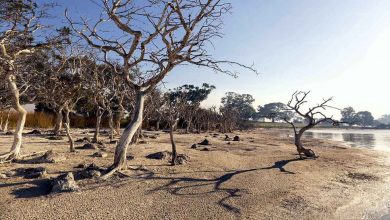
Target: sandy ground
(259, 177)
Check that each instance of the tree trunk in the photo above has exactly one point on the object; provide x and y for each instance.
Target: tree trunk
(300, 148)
(128, 133)
(67, 129)
(5, 128)
(188, 125)
(174, 152)
(99, 114)
(118, 120)
(111, 123)
(158, 125)
(137, 135)
(58, 124)
(1, 120)
(21, 113)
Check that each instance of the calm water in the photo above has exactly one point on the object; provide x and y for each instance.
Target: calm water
(373, 139)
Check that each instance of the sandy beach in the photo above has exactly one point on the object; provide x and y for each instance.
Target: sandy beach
(259, 177)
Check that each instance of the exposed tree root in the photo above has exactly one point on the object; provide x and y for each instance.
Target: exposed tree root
(307, 152)
(110, 173)
(8, 157)
(12, 156)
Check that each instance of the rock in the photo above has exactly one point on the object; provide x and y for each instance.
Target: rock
(82, 165)
(55, 138)
(9, 133)
(91, 171)
(159, 155)
(11, 173)
(51, 157)
(35, 131)
(204, 142)
(182, 159)
(32, 173)
(194, 146)
(205, 149)
(3, 176)
(130, 157)
(236, 138)
(228, 142)
(100, 154)
(142, 142)
(64, 183)
(89, 146)
(113, 142)
(227, 138)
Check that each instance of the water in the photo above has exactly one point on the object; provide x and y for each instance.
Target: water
(373, 139)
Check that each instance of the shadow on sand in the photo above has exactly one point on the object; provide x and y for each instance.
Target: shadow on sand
(31, 189)
(180, 186)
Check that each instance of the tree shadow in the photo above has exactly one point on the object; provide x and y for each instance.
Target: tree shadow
(34, 188)
(175, 187)
(280, 165)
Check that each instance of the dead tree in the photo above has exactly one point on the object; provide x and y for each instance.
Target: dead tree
(20, 22)
(313, 116)
(60, 85)
(172, 110)
(155, 37)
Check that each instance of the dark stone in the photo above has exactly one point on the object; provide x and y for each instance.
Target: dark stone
(35, 172)
(9, 133)
(91, 171)
(55, 138)
(100, 154)
(194, 146)
(236, 138)
(142, 142)
(64, 183)
(130, 157)
(205, 149)
(159, 155)
(85, 139)
(89, 146)
(82, 165)
(204, 142)
(181, 159)
(228, 142)
(35, 131)
(227, 138)
(51, 157)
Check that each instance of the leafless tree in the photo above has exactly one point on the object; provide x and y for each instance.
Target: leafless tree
(155, 37)
(172, 110)
(313, 116)
(20, 23)
(60, 85)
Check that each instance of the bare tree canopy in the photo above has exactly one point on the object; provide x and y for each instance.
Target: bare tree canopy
(313, 116)
(149, 39)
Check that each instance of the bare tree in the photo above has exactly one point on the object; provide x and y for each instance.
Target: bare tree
(313, 116)
(156, 37)
(20, 23)
(60, 84)
(171, 110)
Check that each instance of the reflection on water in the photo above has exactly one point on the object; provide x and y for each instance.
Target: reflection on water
(375, 139)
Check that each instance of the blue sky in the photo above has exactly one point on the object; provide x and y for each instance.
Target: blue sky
(331, 47)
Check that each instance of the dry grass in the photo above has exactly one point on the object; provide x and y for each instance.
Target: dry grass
(33, 120)
(46, 120)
